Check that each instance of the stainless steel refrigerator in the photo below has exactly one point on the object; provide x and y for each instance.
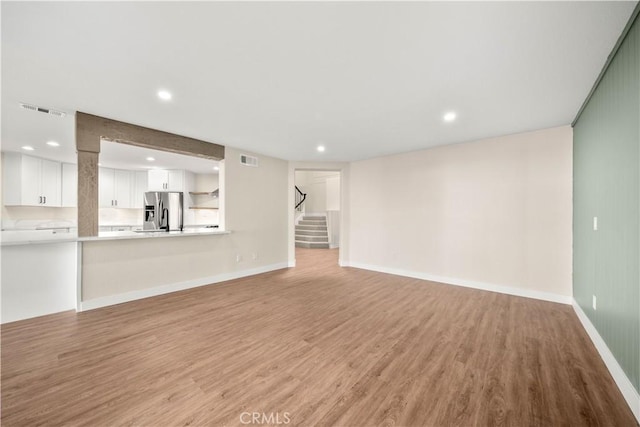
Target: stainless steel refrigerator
(163, 211)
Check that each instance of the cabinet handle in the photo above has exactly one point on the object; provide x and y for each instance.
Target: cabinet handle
(116, 203)
(40, 202)
(45, 200)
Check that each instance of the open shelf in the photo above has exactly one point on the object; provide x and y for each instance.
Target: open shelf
(210, 196)
(213, 193)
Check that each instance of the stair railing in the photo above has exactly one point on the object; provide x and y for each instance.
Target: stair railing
(300, 198)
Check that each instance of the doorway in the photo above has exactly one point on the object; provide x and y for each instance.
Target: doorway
(317, 213)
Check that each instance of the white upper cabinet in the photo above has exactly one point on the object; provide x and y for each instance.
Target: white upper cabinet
(169, 180)
(51, 187)
(114, 188)
(31, 181)
(123, 182)
(106, 188)
(158, 179)
(176, 180)
(69, 185)
(139, 187)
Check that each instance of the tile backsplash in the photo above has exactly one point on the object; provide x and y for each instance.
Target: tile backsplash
(112, 216)
(26, 217)
(31, 217)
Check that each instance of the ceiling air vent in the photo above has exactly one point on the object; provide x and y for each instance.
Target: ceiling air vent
(248, 160)
(42, 110)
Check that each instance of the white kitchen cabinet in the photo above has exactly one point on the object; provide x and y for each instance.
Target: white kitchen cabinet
(106, 187)
(169, 180)
(114, 189)
(158, 179)
(69, 185)
(139, 187)
(122, 193)
(51, 187)
(31, 181)
(176, 180)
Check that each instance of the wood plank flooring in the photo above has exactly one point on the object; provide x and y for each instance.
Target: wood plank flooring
(313, 345)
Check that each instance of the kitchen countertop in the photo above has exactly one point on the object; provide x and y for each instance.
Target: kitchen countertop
(121, 235)
(140, 225)
(15, 238)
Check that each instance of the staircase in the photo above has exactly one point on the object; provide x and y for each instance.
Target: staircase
(311, 232)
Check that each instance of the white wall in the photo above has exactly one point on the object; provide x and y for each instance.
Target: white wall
(333, 193)
(256, 203)
(491, 213)
(322, 189)
(38, 279)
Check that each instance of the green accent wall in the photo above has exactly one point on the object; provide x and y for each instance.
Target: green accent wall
(606, 162)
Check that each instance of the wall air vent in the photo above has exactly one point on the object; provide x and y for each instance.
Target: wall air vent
(248, 160)
(42, 110)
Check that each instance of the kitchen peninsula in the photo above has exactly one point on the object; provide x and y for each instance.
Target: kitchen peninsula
(90, 268)
(42, 270)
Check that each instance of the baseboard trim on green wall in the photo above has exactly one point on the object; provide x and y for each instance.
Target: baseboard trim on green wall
(622, 381)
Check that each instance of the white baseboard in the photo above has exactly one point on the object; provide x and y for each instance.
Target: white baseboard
(174, 287)
(545, 296)
(622, 381)
(291, 263)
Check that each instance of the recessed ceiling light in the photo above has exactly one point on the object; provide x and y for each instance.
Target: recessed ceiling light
(99, 164)
(450, 116)
(28, 148)
(52, 144)
(165, 95)
(216, 168)
(151, 159)
(320, 148)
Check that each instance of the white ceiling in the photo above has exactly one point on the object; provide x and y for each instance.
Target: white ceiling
(122, 156)
(363, 78)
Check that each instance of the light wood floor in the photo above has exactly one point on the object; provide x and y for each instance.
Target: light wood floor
(327, 346)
